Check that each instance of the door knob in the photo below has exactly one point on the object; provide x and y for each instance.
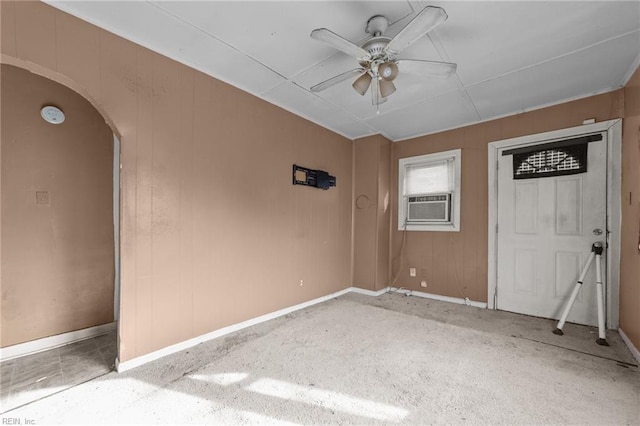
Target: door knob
(597, 231)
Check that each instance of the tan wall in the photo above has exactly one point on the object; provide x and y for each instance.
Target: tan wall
(57, 264)
(365, 196)
(630, 256)
(371, 212)
(212, 230)
(455, 263)
(384, 213)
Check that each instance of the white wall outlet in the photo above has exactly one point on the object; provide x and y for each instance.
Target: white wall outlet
(42, 198)
(412, 272)
(423, 284)
(301, 283)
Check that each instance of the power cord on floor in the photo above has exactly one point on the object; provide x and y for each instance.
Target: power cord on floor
(455, 269)
(399, 257)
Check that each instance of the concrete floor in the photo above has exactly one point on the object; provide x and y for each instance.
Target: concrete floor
(29, 378)
(364, 360)
(577, 338)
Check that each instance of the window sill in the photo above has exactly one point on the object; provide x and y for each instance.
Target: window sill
(449, 227)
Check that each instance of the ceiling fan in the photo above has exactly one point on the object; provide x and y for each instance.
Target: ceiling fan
(378, 56)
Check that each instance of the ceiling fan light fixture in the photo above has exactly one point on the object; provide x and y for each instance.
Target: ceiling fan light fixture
(378, 55)
(388, 71)
(386, 88)
(362, 83)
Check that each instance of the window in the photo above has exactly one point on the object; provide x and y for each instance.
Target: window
(429, 192)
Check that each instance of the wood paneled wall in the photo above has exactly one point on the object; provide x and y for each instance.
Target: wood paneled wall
(630, 253)
(212, 230)
(455, 263)
(371, 212)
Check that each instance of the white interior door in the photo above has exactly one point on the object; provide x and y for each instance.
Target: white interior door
(546, 226)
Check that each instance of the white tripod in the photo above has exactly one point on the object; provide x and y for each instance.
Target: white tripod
(596, 251)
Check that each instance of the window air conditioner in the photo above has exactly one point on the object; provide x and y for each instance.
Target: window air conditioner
(429, 208)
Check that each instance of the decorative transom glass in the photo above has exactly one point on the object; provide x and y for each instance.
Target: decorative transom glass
(559, 161)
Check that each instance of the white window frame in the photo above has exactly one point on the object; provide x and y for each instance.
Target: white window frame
(438, 157)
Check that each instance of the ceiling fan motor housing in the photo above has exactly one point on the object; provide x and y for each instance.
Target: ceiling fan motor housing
(375, 46)
(377, 25)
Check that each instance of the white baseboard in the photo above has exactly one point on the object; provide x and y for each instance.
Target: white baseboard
(87, 333)
(369, 292)
(634, 351)
(136, 362)
(52, 342)
(439, 297)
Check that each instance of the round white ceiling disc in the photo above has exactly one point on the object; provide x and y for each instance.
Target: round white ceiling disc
(52, 114)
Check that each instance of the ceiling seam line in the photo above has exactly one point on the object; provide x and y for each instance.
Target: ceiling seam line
(303, 71)
(511, 114)
(218, 40)
(582, 49)
(331, 104)
(412, 104)
(444, 56)
(473, 104)
(307, 117)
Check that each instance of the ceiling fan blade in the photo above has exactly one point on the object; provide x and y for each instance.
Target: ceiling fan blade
(337, 79)
(429, 18)
(334, 40)
(428, 68)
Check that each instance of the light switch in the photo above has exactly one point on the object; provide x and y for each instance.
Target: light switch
(42, 198)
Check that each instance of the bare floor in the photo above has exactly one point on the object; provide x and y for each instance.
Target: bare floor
(361, 360)
(576, 337)
(29, 378)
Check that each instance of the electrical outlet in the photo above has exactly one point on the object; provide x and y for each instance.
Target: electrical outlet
(42, 198)
(412, 272)
(301, 283)
(423, 284)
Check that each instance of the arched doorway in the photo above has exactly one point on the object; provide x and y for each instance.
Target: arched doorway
(58, 242)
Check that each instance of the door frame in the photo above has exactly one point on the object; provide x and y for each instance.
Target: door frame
(116, 225)
(613, 134)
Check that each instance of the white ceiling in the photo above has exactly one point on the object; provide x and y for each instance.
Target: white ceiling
(511, 56)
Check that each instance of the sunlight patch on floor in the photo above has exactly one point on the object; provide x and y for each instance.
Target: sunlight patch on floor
(222, 379)
(328, 399)
(255, 418)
